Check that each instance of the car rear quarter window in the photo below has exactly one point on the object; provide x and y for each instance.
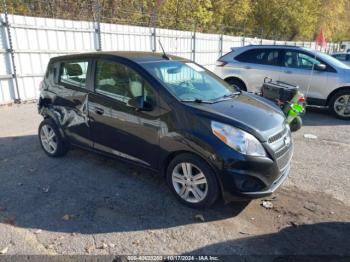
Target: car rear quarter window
(260, 56)
(73, 73)
(226, 56)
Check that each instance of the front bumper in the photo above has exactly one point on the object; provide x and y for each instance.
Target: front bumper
(234, 195)
(256, 177)
(266, 192)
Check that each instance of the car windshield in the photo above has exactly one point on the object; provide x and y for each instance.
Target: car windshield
(188, 81)
(331, 60)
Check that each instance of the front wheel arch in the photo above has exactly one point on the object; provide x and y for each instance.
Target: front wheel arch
(214, 192)
(174, 154)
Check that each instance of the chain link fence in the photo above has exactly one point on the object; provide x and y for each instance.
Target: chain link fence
(33, 31)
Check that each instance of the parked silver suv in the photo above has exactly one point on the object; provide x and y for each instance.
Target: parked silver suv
(246, 67)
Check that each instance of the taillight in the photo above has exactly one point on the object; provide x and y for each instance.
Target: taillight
(220, 63)
(301, 100)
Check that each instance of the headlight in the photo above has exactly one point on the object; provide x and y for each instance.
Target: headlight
(238, 139)
(287, 126)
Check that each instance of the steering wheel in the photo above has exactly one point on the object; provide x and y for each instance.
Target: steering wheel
(187, 84)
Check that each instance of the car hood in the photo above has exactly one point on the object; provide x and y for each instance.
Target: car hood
(249, 112)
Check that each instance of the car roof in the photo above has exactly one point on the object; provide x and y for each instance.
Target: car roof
(270, 46)
(138, 57)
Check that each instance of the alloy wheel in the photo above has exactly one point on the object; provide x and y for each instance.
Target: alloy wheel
(48, 139)
(189, 182)
(342, 106)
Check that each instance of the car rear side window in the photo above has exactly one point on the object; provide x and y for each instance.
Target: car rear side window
(120, 82)
(260, 56)
(73, 73)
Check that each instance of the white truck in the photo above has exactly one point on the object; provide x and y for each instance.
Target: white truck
(345, 46)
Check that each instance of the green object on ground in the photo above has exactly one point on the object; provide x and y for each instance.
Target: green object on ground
(295, 109)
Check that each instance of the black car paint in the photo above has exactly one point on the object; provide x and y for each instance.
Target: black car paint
(151, 138)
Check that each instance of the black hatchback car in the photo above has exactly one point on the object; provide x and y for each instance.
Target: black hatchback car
(170, 115)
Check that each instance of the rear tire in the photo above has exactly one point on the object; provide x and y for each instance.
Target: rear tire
(236, 83)
(339, 104)
(192, 181)
(50, 139)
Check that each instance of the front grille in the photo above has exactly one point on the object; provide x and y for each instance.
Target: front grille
(277, 136)
(283, 157)
(281, 152)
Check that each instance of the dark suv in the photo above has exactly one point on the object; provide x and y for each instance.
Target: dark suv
(170, 115)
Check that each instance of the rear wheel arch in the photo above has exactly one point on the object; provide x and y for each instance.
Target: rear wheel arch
(52, 117)
(44, 102)
(61, 148)
(336, 107)
(236, 80)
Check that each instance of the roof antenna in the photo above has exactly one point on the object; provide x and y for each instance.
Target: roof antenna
(165, 56)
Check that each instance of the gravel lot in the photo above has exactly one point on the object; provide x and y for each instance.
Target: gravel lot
(85, 203)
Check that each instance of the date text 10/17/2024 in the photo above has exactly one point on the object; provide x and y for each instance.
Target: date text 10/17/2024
(173, 258)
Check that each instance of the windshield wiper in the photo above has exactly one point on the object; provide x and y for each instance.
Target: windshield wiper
(231, 94)
(224, 97)
(196, 100)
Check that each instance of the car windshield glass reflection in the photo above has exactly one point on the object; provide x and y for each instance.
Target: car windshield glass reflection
(188, 81)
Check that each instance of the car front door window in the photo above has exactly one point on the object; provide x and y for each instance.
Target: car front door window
(295, 59)
(120, 82)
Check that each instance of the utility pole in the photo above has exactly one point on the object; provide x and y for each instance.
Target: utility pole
(17, 98)
(154, 25)
(98, 25)
(194, 42)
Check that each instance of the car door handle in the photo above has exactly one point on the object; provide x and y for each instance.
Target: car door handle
(288, 72)
(99, 111)
(247, 67)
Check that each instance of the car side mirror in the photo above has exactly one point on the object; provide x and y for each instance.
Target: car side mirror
(139, 103)
(320, 67)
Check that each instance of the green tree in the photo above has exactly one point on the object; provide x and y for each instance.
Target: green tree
(185, 14)
(334, 18)
(273, 19)
(232, 16)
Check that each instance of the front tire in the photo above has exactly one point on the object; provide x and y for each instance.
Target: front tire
(192, 181)
(339, 104)
(296, 124)
(50, 139)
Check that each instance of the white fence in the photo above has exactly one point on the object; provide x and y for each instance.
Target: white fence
(35, 40)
